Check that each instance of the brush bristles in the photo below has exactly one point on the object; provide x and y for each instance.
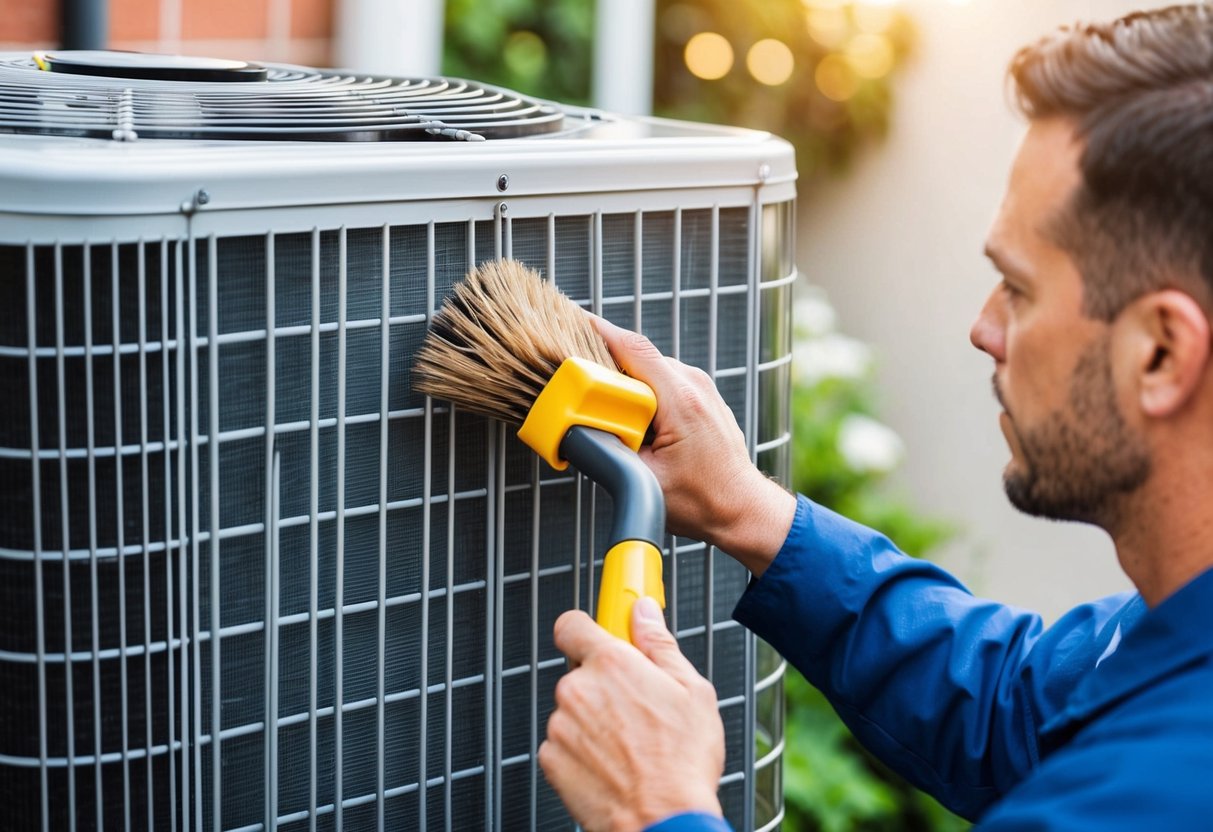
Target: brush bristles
(498, 339)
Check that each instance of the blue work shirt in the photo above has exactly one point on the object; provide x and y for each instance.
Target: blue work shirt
(1103, 721)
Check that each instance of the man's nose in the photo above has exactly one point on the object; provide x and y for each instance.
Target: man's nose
(988, 333)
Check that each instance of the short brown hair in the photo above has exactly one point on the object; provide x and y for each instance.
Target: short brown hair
(1140, 91)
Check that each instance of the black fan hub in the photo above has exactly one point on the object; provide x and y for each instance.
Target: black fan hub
(117, 64)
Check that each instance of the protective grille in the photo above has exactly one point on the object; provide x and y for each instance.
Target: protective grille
(293, 103)
(251, 580)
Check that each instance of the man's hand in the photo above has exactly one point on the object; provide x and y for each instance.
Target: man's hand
(636, 735)
(713, 491)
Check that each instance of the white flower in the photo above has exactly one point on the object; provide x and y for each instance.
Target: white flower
(869, 446)
(830, 356)
(812, 314)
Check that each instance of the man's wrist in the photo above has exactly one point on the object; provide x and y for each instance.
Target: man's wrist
(757, 524)
(653, 807)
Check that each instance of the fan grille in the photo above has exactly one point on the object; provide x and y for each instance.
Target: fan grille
(292, 104)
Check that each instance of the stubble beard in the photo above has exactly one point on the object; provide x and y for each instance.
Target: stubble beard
(1084, 461)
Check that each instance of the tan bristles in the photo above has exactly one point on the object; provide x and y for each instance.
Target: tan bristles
(498, 339)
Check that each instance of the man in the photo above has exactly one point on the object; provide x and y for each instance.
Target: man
(1103, 362)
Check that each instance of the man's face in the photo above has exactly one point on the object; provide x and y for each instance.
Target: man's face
(1072, 452)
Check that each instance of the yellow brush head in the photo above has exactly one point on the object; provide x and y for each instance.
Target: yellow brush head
(584, 393)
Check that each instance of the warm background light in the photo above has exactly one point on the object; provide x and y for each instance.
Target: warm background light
(871, 56)
(815, 72)
(872, 18)
(835, 78)
(709, 56)
(770, 61)
(828, 25)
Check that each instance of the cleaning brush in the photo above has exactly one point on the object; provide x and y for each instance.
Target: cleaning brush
(509, 345)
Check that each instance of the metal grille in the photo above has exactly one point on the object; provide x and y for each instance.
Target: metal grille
(292, 103)
(251, 580)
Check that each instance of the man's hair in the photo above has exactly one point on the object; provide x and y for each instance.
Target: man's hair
(1140, 92)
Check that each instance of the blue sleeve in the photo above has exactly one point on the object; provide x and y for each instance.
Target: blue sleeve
(947, 689)
(691, 822)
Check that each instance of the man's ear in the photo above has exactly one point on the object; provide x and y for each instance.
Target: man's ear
(1170, 349)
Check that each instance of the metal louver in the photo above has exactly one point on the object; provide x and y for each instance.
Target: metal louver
(125, 97)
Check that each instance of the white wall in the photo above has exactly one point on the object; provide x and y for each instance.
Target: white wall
(897, 245)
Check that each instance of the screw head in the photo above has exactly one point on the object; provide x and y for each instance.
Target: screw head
(203, 197)
(503, 182)
(764, 172)
(503, 207)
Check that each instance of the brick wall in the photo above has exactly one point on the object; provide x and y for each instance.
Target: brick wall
(290, 31)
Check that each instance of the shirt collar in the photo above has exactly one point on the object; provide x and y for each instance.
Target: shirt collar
(1169, 637)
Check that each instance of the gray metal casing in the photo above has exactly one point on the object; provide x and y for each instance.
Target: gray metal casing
(234, 322)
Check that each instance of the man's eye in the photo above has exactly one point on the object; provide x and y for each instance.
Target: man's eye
(1011, 290)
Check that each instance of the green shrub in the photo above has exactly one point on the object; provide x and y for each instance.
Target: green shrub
(842, 458)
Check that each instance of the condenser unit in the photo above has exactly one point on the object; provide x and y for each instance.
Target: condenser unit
(248, 578)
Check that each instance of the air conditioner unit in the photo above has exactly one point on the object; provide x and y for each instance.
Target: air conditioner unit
(248, 578)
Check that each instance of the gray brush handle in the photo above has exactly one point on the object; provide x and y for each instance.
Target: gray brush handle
(639, 505)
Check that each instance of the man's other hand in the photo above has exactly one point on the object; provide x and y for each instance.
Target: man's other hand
(636, 735)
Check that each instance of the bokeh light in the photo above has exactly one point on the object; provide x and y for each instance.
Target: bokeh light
(870, 55)
(816, 72)
(873, 18)
(835, 78)
(709, 56)
(525, 54)
(770, 61)
(828, 25)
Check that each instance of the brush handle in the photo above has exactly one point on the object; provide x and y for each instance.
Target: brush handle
(631, 570)
(632, 567)
(639, 505)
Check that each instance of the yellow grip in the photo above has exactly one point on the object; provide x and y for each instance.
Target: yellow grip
(581, 392)
(630, 570)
